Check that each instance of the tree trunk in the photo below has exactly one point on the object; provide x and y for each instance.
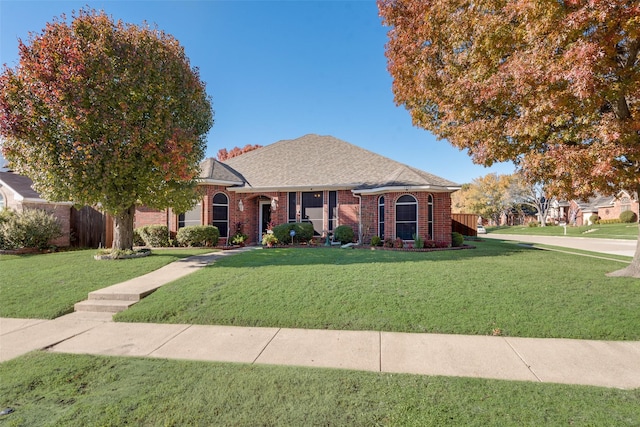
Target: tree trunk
(123, 229)
(633, 269)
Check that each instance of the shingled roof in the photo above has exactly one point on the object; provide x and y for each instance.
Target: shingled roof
(315, 161)
(20, 185)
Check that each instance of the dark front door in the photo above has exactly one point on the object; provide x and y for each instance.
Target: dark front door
(265, 217)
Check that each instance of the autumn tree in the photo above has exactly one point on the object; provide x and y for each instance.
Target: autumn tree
(105, 113)
(553, 85)
(487, 196)
(223, 154)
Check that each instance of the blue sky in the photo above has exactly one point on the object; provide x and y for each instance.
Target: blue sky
(278, 70)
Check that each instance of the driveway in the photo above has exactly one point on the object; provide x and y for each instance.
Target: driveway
(605, 246)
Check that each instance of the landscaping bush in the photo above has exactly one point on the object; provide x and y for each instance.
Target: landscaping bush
(376, 241)
(398, 243)
(388, 242)
(593, 219)
(457, 239)
(304, 232)
(344, 234)
(30, 228)
(628, 217)
(533, 224)
(418, 243)
(198, 235)
(156, 236)
(137, 238)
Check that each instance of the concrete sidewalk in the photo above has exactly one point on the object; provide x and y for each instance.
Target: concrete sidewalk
(598, 363)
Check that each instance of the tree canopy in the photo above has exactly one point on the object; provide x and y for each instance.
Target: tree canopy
(105, 113)
(223, 154)
(553, 85)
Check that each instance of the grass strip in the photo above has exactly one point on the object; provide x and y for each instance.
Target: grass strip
(48, 389)
(46, 286)
(595, 231)
(499, 288)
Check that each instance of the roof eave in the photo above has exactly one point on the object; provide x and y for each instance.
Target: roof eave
(405, 188)
(208, 181)
(290, 188)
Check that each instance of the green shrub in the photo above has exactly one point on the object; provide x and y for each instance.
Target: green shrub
(156, 236)
(343, 234)
(418, 243)
(533, 224)
(628, 217)
(304, 232)
(376, 241)
(198, 235)
(457, 239)
(137, 238)
(594, 219)
(30, 228)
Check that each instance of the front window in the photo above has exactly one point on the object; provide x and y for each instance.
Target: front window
(381, 217)
(312, 204)
(221, 213)
(333, 210)
(191, 217)
(406, 217)
(292, 207)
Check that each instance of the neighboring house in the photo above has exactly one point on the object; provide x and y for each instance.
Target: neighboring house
(605, 207)
(17, 193)
(321, 180)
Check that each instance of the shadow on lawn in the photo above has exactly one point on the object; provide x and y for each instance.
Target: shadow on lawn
(339, 256)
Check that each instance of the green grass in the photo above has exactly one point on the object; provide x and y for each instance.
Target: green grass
(48, 389)
(604, 231)
(48, 285)
(499, 286)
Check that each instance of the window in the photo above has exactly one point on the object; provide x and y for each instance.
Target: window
(430, 217)
(381, 217)
(2, 202)
(312, 203)
(333, 210)
(406, 217)
(292, 207)
(191, 217)
(221, 213)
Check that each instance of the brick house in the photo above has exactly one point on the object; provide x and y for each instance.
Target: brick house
(606, 207)
(321, 180)
(17, 193)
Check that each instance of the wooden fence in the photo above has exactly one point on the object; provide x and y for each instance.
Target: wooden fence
(465, 224)
(91, 228)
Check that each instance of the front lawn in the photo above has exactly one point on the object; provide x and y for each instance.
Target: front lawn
(499, 288)
(48, 389)
(600, 231)
(48, 285)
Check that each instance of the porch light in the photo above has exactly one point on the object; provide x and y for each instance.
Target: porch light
(240, 205)
(274, 204)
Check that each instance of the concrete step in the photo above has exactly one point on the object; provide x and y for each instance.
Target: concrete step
(103, 306)
(119, 296)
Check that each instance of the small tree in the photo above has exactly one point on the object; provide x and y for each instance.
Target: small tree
(223, 154)
(105, 113)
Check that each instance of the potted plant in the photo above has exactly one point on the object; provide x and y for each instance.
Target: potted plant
(269, 239)
(239, 239)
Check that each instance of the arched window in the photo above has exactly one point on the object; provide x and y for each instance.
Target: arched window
(406, 217)
(2, 202)
(381, 217)
(221, 213)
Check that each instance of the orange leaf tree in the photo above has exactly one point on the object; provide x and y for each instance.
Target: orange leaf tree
(104, 113)
(553, 85)
(223, 154)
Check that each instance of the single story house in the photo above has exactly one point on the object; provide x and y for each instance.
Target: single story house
(605, 207)
(17, 193)
(318, 179)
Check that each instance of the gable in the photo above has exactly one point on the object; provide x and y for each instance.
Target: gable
(21, 186)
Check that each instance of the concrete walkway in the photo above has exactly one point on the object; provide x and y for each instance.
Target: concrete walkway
(598, 363)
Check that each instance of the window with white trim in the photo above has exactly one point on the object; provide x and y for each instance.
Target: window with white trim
(406, 217)
(221, 213)
(191, 217)
(381, 217)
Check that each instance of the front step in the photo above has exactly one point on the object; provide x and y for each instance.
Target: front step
(113, 296)
(103, 306)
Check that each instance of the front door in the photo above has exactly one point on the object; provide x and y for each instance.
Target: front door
(265, 217)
